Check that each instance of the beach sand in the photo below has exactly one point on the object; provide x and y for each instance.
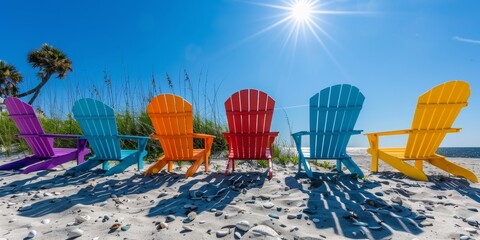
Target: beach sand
(384, 205)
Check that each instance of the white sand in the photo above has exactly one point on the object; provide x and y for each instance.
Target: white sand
(130, 198)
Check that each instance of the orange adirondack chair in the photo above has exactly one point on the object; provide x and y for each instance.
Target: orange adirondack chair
(249, 116)
(172, 120)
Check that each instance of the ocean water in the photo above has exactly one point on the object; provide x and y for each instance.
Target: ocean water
(455, 152)
(461, 152)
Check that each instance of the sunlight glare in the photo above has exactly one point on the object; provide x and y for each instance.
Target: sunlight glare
(301, 11)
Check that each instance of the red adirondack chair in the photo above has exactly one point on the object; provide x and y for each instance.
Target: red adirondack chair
(249, 116)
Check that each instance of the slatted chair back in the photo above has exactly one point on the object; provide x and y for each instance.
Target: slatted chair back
(99, 127)
(249, 112)
(172, 120)
(29, 126)
(333, 114)
(436, 111)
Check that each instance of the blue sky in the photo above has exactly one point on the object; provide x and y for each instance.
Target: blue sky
(392, 50)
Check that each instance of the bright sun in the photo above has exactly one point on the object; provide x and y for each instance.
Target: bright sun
(301, 11)
(302, 18)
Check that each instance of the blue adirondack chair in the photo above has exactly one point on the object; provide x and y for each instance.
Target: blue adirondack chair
(333, 114)
(99, 127)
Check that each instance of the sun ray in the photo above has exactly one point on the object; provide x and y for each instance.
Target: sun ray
(302, 17)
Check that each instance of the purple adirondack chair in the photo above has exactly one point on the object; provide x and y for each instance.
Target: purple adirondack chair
(45, 156)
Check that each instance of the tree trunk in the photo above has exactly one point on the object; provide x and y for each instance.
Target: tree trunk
(35, 90)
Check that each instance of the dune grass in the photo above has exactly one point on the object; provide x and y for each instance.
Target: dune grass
(127, 99)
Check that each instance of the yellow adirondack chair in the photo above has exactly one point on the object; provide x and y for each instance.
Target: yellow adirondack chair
(436, 111)
(172, 120)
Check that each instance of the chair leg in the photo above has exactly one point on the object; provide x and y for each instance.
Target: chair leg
(233, 165)
(157, 166)
(404, 168)
(352, 167)
(20, 163)
(51, 163)
(373, 150)
(206, 162)
(453, 168)
(82, 150)
(419, 165)
(170, 166)
(142, 144)
(299, 164)
(270, 172)
(339, 165)
(228, 166)
(308, 170)
(105, 165)
(193, 169)
(124, 164)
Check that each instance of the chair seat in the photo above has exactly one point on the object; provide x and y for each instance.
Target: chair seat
(63, 151)
(127, 153)
(197, 154)
(400, 153)
(307, 155)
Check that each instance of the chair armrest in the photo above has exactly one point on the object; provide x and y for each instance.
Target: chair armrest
(408, 131)
(271, 134)
(62, 135)
(129, 137)
(302, 133)
(388, 133)
(297, 134)
(48, 135)
(201, 135)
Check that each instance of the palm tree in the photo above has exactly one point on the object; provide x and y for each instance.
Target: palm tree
(50, 61)
(9, 79)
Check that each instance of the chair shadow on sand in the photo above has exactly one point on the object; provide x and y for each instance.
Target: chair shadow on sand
(89, 194)
(214, 191)
(219, 188)
(342, 203)
(438, 183)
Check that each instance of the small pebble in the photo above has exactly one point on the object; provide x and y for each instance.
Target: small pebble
(82, 218)
(420, 217)
(77, 232)
(163, 225)
(191, 216)
(126, 227)
(273, 215)
(397, 200)
(243, 225)
(32, 233)
(222, 233)
(426, 224)
(187, 228)
(115, 226)
(170, 218)
(268, 205)
(471, 230)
